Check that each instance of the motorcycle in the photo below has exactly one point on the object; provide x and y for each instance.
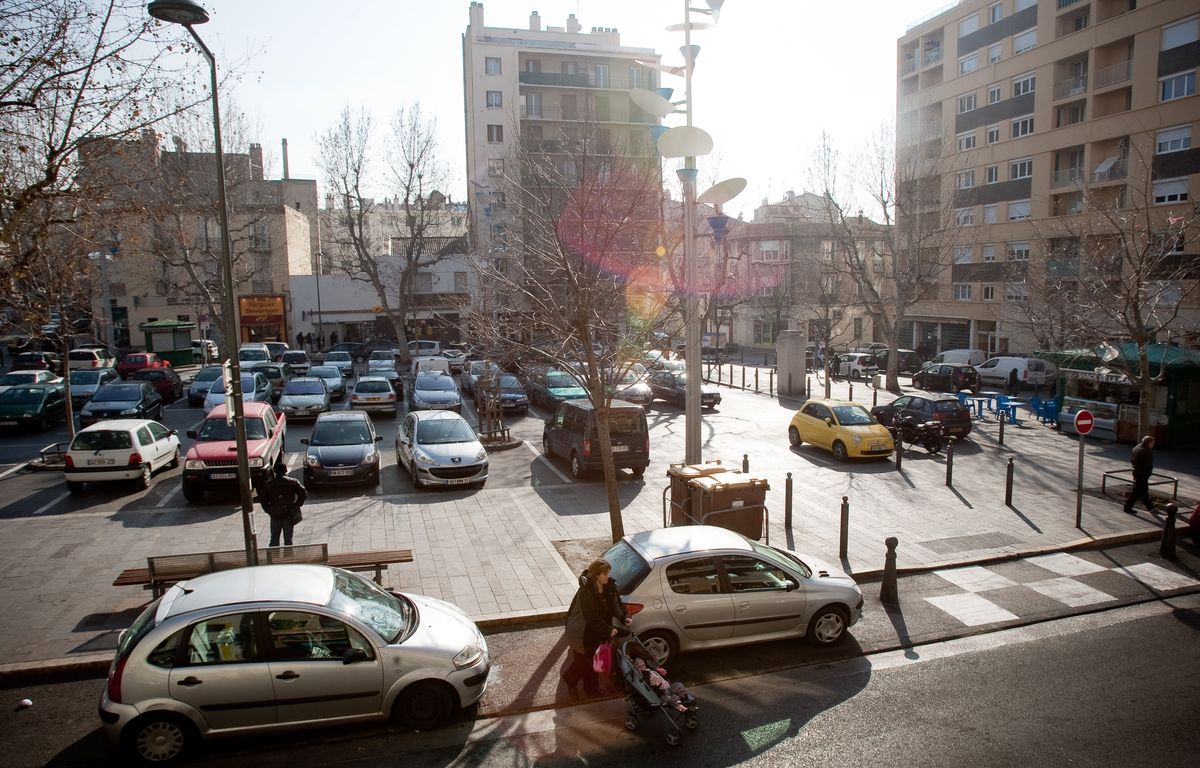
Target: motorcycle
(907, 429)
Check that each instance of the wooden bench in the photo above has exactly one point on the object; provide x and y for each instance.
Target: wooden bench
(1126, 476)
(163, 570)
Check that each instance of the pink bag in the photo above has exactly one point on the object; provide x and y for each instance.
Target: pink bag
(602, 661)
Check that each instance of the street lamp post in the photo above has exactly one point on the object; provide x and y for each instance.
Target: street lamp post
(188, 14)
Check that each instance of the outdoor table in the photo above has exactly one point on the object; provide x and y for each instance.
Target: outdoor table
(979, 403)
(1012, 409)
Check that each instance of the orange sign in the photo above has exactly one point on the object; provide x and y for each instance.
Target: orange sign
(261, 310)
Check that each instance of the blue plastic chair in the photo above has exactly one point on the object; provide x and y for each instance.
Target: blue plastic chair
(1001, 404)
(1049, 410)
(962, 398)
(1035, 405)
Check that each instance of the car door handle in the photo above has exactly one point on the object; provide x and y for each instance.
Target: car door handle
(190, 681)
(681, 609)
(744, 604)
(288, 675)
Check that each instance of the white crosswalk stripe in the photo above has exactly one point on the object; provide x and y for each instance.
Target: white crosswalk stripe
(1070, 592)
(1065, 564)
(975, 578)
(971, 609)
(1157, 577)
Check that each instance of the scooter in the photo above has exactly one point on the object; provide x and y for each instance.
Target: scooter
(907, 429)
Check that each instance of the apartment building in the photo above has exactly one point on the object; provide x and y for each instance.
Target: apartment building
(1043, 122)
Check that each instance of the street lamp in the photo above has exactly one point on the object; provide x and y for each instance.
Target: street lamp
(188, 14)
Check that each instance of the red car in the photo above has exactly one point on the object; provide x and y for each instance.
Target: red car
(165, 380)
(211, 460)
(136, 361)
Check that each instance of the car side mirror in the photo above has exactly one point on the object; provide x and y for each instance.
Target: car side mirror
(191, 433)
(378, 439)
(792, 586)
(304, 441)
(172, 432)
(829, 421)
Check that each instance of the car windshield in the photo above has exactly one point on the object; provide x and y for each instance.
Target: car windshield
(150, 375)
(12, 379)
(628, 567)
(118, 392)
(295, 357)
(372, 386)
(101, 440)
(436, 383)
(252, 355)
(439, 431)
(207, 374)
(382, 354)
(22, 395)
(303, 388)
(948, 406)
(337, 357)
(77, 377)
(270, 371)
(325, 372)
(218, 387)
(134, 359)
(340, 432)
(508, 381)
(81, 355)
(852, 415)
(219, 429)
(389, 615)
(561, 381)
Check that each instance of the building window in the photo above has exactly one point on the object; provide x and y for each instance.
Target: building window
(495, 166)
(600, 73)
(962, 254)
(533, 65)
(635, 77)
(1021, 5)
(1018, 209)
(495, 99)
(988, 252)
(495, 133)
(1024, 84)
(1018, 251)
(993, 134)
(994, 54)
(966, 141)
(966, 103)
(1022, 126)
(1170, 191)
(1181, 33)
(964, 180)
(964, 216)
(1016, 292)
(764, 331)
(1178, 86)
(968, 25)
(991, 174)
(1173, 139)
(962, 291)
(990, 214)
(968, 64)
(533, 105)
(1024, 41)
(460, 282)
(989, 293)
(491, 65)
(1070, 114)
(260, 236)
(769, 250)
(423, 282)
(1020, 169)
(995, 13)
(993, 94)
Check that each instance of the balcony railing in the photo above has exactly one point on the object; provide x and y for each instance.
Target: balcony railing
(1117, 73)
(1072, 86)
(1115, 172)
(1066, 3)
(932, 56)
(1067, 177)
(908, 66)
(585, 80)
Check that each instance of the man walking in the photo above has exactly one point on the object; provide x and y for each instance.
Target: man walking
(1142, 459)
(281, 498)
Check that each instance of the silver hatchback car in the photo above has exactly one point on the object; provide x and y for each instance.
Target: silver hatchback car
(277, 647)
(698, 586)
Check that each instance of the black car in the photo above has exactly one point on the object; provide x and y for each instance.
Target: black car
(672, 387)
(127, 400)
(504, 386)
(954, 417)
(571, 433)
(342, 449)
(910, 361)
(946, 377)
(201, 383)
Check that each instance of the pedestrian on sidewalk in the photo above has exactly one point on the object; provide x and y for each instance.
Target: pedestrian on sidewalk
(281, 498)
(333, 338)
(590, 618)
(1142, 460)
(299, 340)
(308, 341)
(1014, 384)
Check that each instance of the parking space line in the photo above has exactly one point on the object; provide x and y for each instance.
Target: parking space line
(169, 496)
(15, 468)
(546, 461)
(45, 507)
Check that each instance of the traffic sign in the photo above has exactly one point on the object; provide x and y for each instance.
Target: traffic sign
(1084, 421)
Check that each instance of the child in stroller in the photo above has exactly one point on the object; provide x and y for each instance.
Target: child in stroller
(647, 689)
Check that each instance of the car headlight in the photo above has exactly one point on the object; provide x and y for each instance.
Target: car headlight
(370, 458)
(254, 463)
(856, 439)
(481, 455)
(129, 412)
(468, 657)
(423, 459)
(312, 461)
(193, 464)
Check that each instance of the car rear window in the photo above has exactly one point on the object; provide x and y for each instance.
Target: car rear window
(303, 388)
(949, 406)
(82, 355)
(295, 357)
(626, 422)
(373, 386)
(102, 440)
(119, 392)
(628, 567)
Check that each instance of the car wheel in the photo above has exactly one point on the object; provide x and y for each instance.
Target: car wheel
(174, 460)
(794, 437)
(74, 486)
(839, 450)
(193, 493)
(143, 481)
(577, 470)
(828, 626)
(159, 739)
(639, 471)
(662, 646)
(855, 373)
(425, 706)
(43, 424)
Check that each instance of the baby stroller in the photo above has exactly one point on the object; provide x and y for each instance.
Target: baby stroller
(676, 708)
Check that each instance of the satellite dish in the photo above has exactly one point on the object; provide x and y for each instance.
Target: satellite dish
(722, 192)
(685, 141)
(689, 25)
(651, 103)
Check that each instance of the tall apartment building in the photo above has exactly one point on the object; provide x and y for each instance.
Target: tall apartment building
(543, 89)
(1039, 117)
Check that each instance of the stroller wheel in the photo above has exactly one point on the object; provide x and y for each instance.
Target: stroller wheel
(673, 739)
(691, 723)
(631, 723)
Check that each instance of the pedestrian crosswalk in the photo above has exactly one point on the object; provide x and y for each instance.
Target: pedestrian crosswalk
(988, 592)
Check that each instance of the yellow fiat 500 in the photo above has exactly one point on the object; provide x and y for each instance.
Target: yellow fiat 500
(844, 428)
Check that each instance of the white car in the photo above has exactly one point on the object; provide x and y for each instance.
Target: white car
(304, 397)
(857, 365)
(90, 357)
(382, 360)
(333, 379)
(342, 361)
(373, 393)
(120, 449)
(255, 389)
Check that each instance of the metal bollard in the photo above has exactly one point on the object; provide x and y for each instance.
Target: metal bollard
(755, 379)
(808, 386)
(765, 358)
(845, 535)
(949, 465)
(731, 374)
(743, 377)
(787, 502)
(790, 391)
(851, 397)
(888, 594)
(1008, 482)
(1167, 548)
(745, 462)
(1002, 417)
(875, 398)
(771, 382)
(898, 446)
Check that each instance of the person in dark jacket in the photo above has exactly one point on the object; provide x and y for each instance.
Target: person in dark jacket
(1142, 460)
(590, 619)
(281, 498)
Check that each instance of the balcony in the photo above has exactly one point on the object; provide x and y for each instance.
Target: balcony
(932, 56)
(1112, 169)
(1068, 177)
(1066, 3)
(1072, 86)
(908, 66)
(551, 78)
(1117, 73)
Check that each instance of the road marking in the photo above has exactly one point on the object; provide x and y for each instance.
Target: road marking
(1070, 592)
(1156, 577)
(975, 578)
(971, 609)
(169, 496)
(1065, 564)
(15, 468)
(45, 507)
(546, 461)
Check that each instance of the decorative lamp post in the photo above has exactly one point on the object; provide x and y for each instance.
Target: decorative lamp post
(188, 14)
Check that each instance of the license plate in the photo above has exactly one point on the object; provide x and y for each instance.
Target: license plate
(8, 423)
(459, 481)
(223, 476)
(620, 448)
(341, 472)
(374, 399)
(95, 462)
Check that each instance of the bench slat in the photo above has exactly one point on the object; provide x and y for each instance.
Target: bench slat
(172, 568)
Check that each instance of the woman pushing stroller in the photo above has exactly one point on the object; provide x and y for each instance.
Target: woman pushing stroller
(597, 604)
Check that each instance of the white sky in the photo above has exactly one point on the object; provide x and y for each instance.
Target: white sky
(770, 76)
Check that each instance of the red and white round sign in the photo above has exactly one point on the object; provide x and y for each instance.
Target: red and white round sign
(1084, 421)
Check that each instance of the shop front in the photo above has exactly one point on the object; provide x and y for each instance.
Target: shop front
(263, 318)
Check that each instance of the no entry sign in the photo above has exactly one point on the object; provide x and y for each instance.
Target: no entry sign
(1084, 421)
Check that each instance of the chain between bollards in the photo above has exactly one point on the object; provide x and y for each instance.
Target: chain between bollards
(845, 535)
(787, 502)
(888, 592)
(1008, 483)
(1166, 548)
(950, 465)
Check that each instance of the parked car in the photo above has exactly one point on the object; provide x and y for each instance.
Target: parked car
(278, 374)
(841, 427)
(18, 378)
(947, 377)
(959, 357)
(85, 382)
(90, 357)
(255, 389)
(342, 449)
(204, 351)
(37, 361)
(473, 371)
(136, 361)
(298, 360)
(440, 448)
(32, 405)
(165, 380)
(123, 400)
(352, 348)
(856, 365)
(342, 361)
(434, 391)
(571, 433)
(672, 387)
(910, 361)
(373, 393)
(123, 449)
(630, 387)
(211, 460)
(334, 381)
(424, 348)
(383, 359)
(276, 350)
(691, 587)
(201, 383)
(955, 418)
(344, 648)
(393, 378)
(551, 386)
(254, 353)
(457, 359)
(1030, 371)
(304, 397)
(504, 387)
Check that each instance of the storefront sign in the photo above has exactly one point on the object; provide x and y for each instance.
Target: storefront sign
(1103, 376)
(261, 310)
